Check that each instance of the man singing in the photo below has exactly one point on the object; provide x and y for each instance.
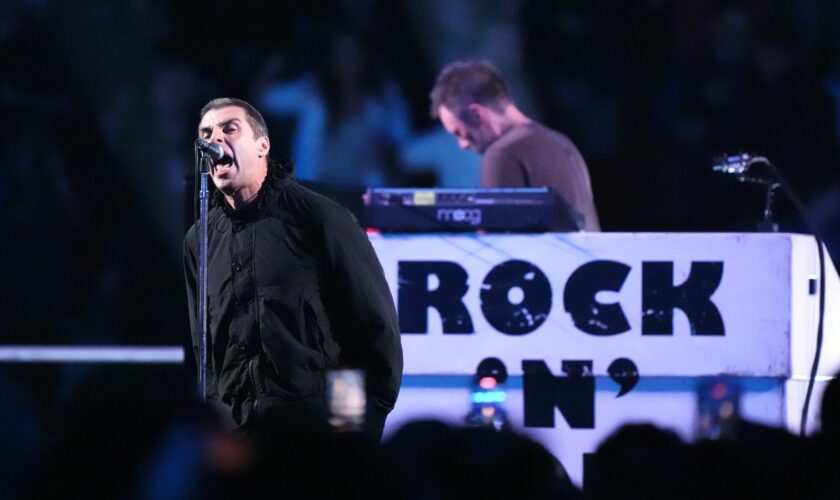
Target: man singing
(294, 288)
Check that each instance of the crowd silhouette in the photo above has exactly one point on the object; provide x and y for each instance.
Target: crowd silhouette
(131, 433)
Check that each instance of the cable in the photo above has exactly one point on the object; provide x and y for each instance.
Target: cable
(800, 207)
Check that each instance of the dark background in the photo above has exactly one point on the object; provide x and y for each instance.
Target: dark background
(100, 102)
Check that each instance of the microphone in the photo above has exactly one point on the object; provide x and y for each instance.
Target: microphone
(733, 164)
(214, 151)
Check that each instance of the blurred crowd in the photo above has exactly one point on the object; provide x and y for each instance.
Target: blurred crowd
(114, 441)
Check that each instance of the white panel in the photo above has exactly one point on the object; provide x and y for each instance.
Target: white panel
(753, 299)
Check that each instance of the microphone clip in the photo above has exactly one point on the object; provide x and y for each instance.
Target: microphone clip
(758, 170)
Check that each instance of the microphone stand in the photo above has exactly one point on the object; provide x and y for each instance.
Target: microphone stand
(768, 225)
(204, 172)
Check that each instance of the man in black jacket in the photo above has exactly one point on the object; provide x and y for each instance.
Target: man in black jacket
(294, 288)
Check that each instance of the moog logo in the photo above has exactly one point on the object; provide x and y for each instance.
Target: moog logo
(470, 216)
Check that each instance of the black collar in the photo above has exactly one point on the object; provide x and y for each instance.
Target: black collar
(279, 176)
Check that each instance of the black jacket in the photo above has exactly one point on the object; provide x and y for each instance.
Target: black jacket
(294, 289)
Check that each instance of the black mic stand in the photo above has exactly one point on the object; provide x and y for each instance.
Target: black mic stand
(768, 225)
(203, 166)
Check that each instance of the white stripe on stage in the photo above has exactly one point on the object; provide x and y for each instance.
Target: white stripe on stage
(91, 354)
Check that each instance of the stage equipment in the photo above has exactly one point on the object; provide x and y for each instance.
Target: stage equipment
(758, 169)
(754, 169)
(465, 210)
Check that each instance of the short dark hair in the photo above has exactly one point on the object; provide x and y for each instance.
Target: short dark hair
(462, 83)
(254, 118)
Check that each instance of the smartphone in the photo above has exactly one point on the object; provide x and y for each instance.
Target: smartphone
(346, 400)
(718, 408)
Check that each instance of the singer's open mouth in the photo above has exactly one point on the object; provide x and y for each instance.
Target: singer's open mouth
(225, 162)
(222, 169)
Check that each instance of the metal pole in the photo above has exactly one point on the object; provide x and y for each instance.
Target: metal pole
(202, 278)
(768, 225)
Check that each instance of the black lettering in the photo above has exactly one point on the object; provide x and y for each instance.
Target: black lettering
(525, 316)
(414, 297)
(573, 395)
(588, 314)
(492, 367)
(660, 297)
(623, 371)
